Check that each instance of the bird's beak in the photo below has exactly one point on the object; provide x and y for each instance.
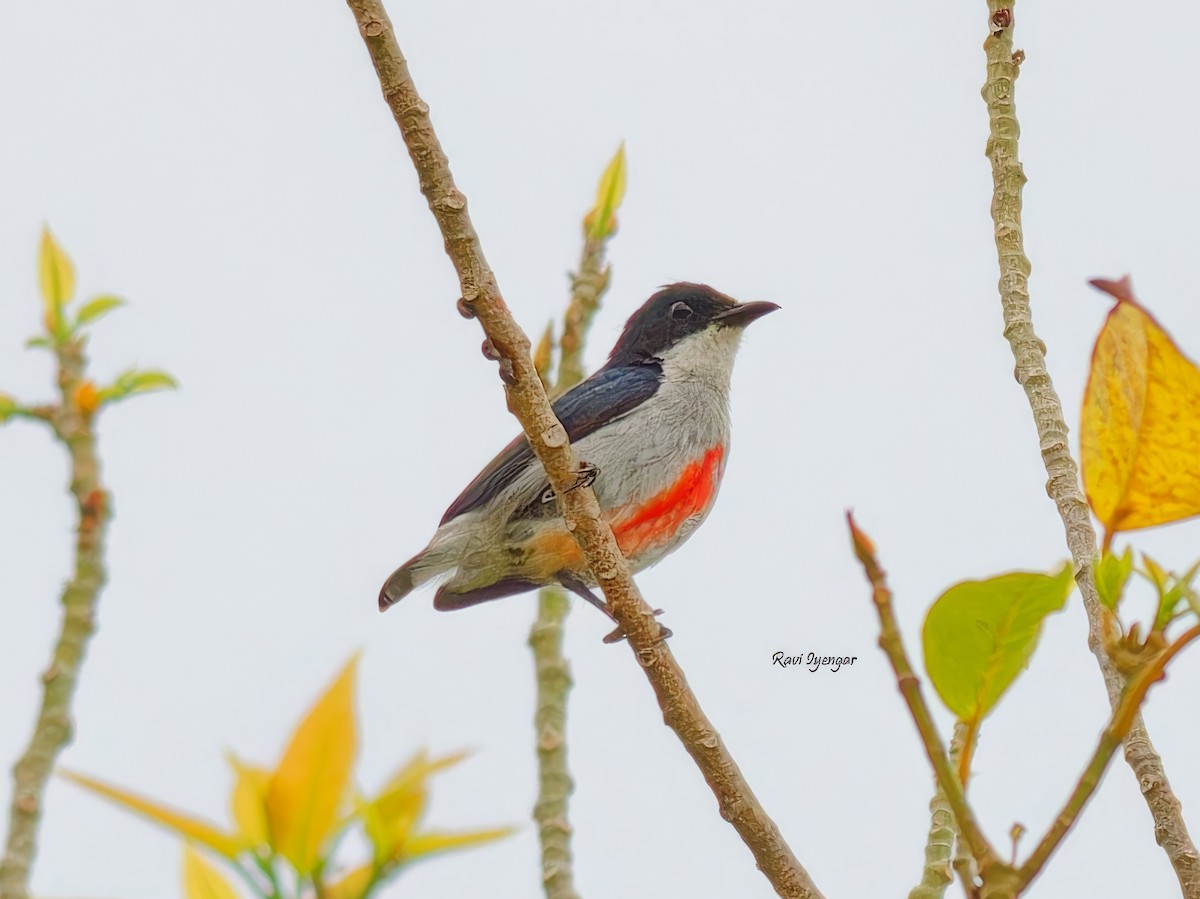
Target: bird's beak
(744, 313)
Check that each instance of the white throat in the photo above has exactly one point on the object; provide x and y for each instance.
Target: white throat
(706, 357)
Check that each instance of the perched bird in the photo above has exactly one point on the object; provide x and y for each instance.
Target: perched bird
(652, 426)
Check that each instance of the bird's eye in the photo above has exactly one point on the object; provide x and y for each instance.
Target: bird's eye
(681, 312)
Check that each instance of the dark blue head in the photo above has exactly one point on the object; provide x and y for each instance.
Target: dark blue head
(675, 313)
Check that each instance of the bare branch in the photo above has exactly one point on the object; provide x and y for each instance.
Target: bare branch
(527, 401)
(909, 684)
(1008, 177)
(1122, 719)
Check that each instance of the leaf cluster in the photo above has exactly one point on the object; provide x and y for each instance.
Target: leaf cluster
(288, 821)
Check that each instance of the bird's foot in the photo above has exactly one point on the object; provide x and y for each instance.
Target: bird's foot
(585, 477)
(619, 634)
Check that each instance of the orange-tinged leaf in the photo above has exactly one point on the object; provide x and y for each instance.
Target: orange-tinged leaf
(248, 802)
(1141, 422)
(201, 880)
(425, 844)
(352, 885)
(87, 398)
(311, 783)
(182, 823)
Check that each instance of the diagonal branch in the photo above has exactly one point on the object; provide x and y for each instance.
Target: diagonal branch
(909, 684)
(52, 732)
(1123, 716)
(527, 400)
(1008, 177)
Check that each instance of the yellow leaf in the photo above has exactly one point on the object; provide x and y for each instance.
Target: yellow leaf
(428, 843)
(417, 769)
(201, 880)
(311, 782)
(601, 221)
(394, 817)
(1141, 422)
(248, 803)
(182, 823)
(351, 885)
(56, 275)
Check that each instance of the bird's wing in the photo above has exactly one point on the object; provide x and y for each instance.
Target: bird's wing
(606, 396)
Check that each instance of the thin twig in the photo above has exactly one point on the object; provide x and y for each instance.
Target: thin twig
(1008, 177)
(52, 731)
(548, 439)
(546, 636)
(909, 684)
(587, 287)
(1122, 719)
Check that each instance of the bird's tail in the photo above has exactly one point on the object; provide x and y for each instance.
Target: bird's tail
(412, 574)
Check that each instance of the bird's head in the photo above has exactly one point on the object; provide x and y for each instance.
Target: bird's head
(687, 328)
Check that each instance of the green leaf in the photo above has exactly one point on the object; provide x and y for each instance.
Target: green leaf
(1173, 591)
(979, 636)
(1155, 573)
(601, 220)
(55, 276)
(132, 381)
(37, 342)
(1112, 574)
(8, 406)
(97, 307)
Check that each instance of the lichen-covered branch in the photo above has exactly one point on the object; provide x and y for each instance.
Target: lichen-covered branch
(1008, 178)
(939, 845)
(52, 731)
(550, 722)
(527, 400)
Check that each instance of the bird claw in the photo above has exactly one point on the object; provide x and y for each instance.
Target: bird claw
(619, 634)
(585, 477)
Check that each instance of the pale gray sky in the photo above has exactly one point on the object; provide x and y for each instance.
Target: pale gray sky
(231, 169)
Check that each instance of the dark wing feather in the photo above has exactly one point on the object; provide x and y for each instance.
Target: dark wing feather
(605, 396)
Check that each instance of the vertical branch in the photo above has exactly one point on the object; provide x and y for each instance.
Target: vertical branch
(1008, 178)
(52, 731)
(527, 401)
(939, 845)
(554, 777)
(546, 637)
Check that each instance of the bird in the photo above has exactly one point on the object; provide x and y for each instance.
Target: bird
(652, 429)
